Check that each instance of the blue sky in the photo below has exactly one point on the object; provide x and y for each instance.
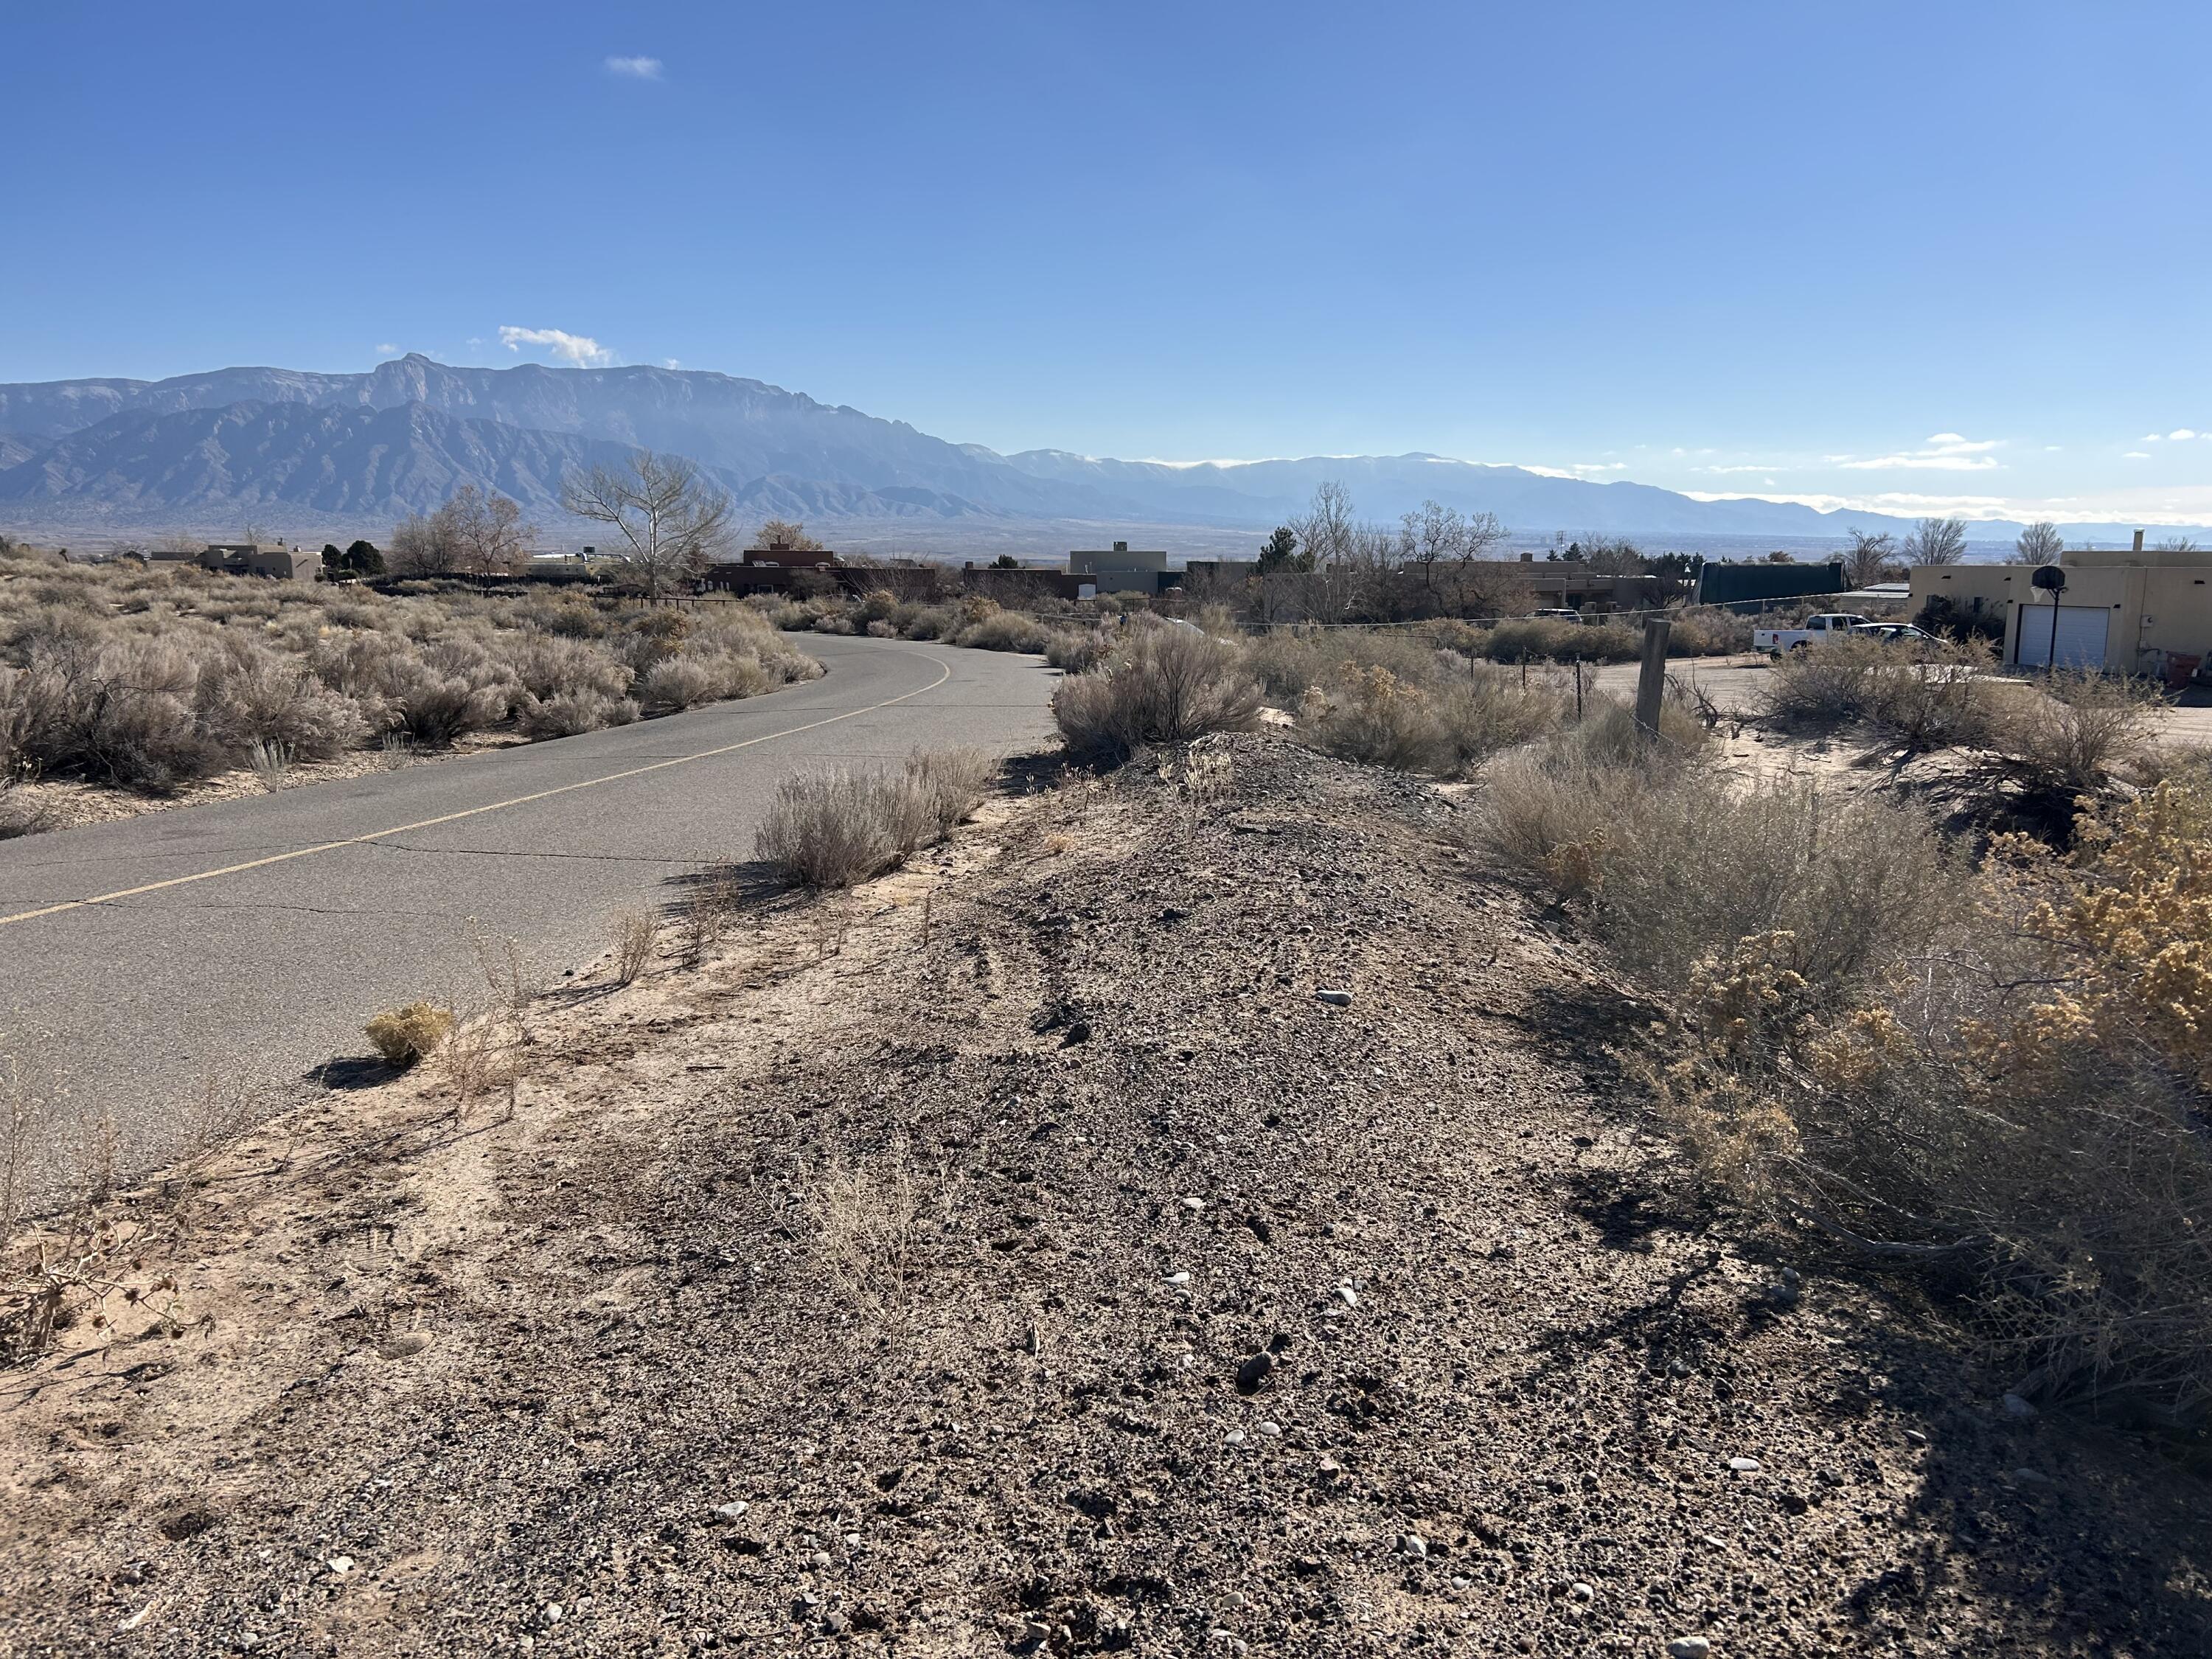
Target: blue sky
(1896, 256)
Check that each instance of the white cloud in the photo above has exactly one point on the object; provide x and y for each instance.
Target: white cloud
(580, 349)
(1945, 452)
(1600, 466)
(2136, 455)
(387, 350)
(2150, 437)
(2180, 433)
(670, 362)
(637, 69)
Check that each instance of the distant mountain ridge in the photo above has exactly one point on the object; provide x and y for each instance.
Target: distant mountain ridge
(312, 452)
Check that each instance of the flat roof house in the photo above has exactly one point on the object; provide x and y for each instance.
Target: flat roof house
(1120, 569)
(2131, 610)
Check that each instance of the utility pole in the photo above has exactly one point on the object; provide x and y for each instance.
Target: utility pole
(1651, 683)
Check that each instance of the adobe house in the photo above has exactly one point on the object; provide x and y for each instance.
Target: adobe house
(772, 569)
(2132, 611)
(1120, 570)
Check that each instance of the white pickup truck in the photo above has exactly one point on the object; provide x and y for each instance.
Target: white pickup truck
(1828, 625)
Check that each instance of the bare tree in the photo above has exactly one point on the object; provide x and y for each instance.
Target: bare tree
(1430, 537)
(1325, 530)
(1868, 555)
(1936, 541)
(789, 532)
(2040, 544)
(671, 520)
(472, 534)
(2176, 544)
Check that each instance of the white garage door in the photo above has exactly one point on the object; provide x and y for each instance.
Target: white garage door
(2080, 642)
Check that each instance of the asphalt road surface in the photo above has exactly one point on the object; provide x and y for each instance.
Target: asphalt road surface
(245, 942)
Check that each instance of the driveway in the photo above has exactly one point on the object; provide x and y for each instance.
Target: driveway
(244, 943)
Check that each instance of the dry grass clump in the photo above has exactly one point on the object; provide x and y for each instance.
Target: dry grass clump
(69, 1256)
(150, 679)
(1162, 685)
(636, 932)
(833, 828)
(405, 1036)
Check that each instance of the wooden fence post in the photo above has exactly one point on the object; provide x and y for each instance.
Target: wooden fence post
(1651, 683)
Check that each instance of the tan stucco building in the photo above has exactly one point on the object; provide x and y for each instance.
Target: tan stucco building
(2136, 611)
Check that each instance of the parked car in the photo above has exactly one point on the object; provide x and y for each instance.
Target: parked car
(1896, 633)
(1829, 624)
(1562, 616)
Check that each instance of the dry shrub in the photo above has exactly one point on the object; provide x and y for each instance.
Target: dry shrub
(1007, 630)
(1375, 717)
(1079, 651)
(123, 712)
(636, 933)
(405, 1036)
(150, 679)
(1554, 639)
(1928, 698)
(2024, 1101)
(1999, 1073)
(677, 683)
(1709, 634)
(1671, 861)
(553, 664)
(566, 714)
(835, 829)
(2072, 732)
(1287, 666)
(22, 813)
(1163, 685)
(437, 708)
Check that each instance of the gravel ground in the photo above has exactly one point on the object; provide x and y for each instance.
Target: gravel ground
(1195, 1212)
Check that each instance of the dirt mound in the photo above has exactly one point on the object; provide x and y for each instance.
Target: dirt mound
(1195, 1212)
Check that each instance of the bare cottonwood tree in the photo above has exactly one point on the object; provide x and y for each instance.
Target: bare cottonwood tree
(1936, 541)
(2040, 544)
(472, 534)
(787, 532)
(1326, 530)
(1868, 555)
(670, 518)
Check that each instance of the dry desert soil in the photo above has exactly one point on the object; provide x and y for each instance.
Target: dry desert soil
(1019, 1254)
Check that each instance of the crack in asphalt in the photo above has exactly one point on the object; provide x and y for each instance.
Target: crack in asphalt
(530, 852)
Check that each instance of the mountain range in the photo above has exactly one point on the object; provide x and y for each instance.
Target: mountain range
(309, 454)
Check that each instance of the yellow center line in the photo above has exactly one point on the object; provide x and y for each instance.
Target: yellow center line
(944, 674)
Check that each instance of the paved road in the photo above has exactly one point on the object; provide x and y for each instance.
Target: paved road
(248, 940)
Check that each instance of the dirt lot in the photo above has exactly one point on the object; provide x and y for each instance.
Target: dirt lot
(1021, 1252)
